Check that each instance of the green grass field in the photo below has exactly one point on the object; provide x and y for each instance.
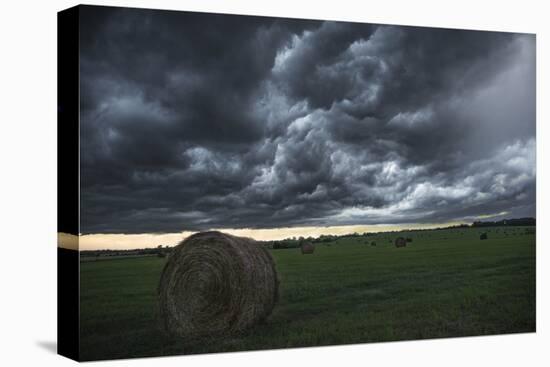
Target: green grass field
(445, 283)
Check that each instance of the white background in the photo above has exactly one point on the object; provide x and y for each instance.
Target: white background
(28, 183)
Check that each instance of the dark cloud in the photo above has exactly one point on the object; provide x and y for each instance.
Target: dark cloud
(192, 121)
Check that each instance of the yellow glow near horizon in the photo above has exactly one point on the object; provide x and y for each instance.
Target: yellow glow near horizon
(486, 216)
(102, 241)
(68, 241)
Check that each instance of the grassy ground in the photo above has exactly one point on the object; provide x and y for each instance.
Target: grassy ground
(443, 284)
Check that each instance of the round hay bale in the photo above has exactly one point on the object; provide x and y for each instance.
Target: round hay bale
(307, 248)
(216, 284)
(400, 242)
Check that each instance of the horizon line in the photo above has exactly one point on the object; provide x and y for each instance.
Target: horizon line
(134, 241)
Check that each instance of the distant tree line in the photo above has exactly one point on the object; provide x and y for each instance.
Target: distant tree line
(295, 242)
(160, 251)
(507, 223)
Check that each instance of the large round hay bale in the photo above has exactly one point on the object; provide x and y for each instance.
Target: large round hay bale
(307, 248)
(215, 284)
(400, 242)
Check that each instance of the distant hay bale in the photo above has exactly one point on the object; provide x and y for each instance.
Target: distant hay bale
(483, 236)
(373, 243)
(400, 242)
(307, 248)
(215, 284)
(409, 239)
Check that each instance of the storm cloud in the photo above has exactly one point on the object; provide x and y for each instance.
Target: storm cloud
(192, 121)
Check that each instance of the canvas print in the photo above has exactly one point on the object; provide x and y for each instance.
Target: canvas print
(236, 183)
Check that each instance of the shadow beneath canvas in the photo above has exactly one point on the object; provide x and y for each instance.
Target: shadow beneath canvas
(50, 346)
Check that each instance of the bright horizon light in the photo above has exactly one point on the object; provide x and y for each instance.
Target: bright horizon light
(108, 241)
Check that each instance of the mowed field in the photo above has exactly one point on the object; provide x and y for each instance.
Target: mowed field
(446, 283)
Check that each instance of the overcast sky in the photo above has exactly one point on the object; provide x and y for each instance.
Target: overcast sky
(193, 121)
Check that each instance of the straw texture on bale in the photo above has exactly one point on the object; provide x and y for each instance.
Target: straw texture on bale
(307, 248)
(215, 284)
(400, 242)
